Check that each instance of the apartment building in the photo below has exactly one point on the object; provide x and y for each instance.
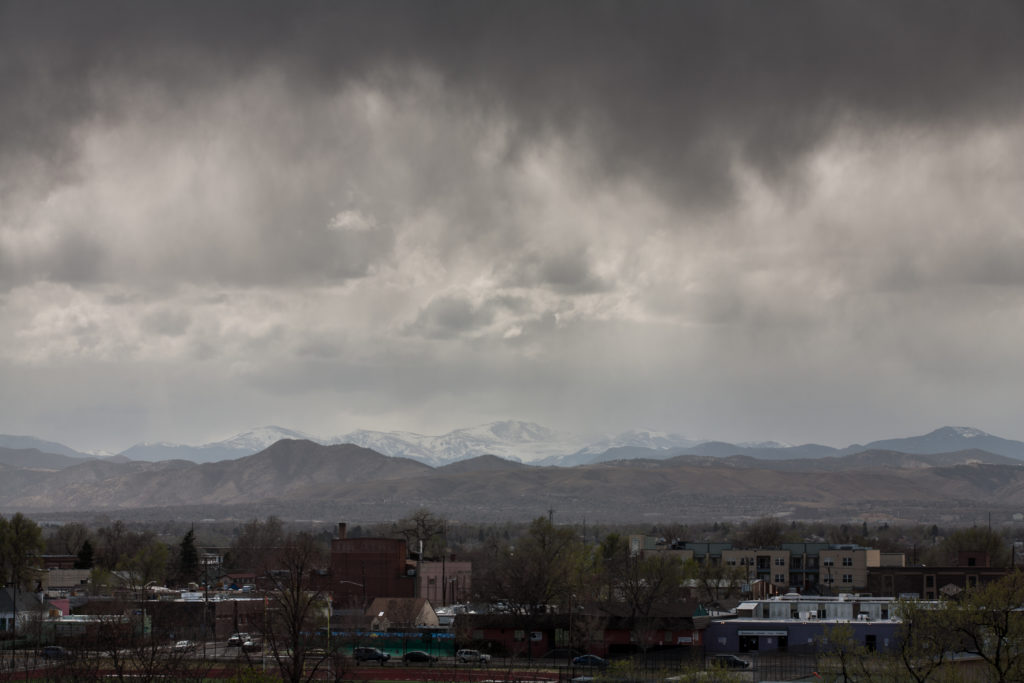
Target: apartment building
(809, 568)
(844, 568)
(770, 565)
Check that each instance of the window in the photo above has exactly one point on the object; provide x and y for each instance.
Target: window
(780, 578)
(847, 561)
(929, 581)
(730, 563)
(828, 561)
(780, 562)
(847, 578)
(972, 581)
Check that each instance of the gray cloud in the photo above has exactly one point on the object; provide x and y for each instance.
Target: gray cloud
(171, 323)
(450, 316)
(676, 92)
(742, 220)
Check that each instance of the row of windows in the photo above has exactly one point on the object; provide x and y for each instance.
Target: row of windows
(831, 561)
(846, 578)
(744, 561)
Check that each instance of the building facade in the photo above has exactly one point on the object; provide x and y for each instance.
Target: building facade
(363, 569)
(801, 623)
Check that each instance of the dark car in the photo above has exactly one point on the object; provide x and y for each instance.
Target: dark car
(418, 657)
(370, 654)
(590, 660)
(55, 652)
(728, 662)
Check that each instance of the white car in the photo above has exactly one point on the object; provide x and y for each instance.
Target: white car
(237, 639)
(474, 656)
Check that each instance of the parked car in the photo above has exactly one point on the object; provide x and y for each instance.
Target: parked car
(590, 660)
(55, 652)
(370, 654)
(252, 645)
(237, 639)
(184, 646)
(418, 657)
(474, 656)
(728, 662)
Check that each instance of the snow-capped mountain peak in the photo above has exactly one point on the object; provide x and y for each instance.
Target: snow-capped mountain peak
(259, 438)
(510, 439)
(965, 432)
(638, 438)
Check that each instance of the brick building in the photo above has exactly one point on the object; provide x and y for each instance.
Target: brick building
(930, 583)
(363, 569)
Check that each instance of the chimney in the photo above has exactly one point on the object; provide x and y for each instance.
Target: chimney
(341, 530)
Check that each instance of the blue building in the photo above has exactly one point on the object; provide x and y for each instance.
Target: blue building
(796, 623)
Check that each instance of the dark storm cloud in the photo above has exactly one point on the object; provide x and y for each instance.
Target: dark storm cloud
(677, 92)
(719, 214)
(449, 316)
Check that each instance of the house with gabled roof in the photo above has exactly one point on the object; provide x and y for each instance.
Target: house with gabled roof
(401, 613)
(18, 608)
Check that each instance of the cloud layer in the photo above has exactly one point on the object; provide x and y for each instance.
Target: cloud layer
(732, 220)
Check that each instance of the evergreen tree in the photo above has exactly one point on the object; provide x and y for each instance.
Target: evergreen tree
(85, 554)
(188, 559)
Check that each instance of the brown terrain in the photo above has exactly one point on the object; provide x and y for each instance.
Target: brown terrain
(304, 480)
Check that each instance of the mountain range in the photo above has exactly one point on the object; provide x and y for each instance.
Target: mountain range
(953, 474)
(531, 443)
(300, 479)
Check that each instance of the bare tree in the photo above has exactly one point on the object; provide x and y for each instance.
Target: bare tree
(121, 646)
(715, 582)
(68, 539)
(924, 645)
(256, 541)
(539, 571)
(118, 543)
(295, 609)
(765, 532)
(988, 624)
(422, 527)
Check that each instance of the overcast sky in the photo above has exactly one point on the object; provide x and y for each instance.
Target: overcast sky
(751, 220)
